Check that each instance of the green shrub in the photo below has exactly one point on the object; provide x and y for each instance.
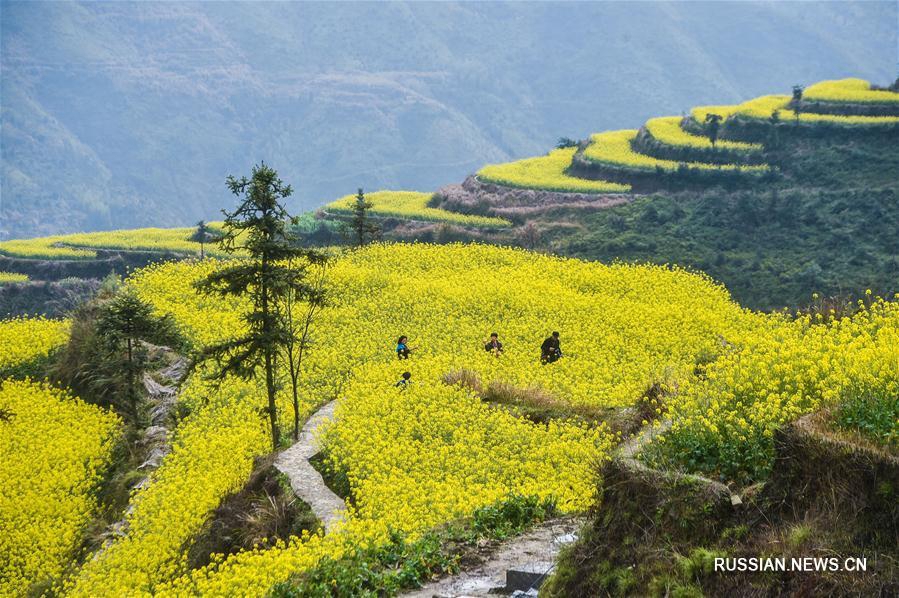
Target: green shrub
(401, 565)
(511, 516)
(375, 572)
(875, 417)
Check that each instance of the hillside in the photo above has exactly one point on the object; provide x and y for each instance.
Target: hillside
(782, 205)
(684, 428)
(476, 448)
(120, 115)
(826, 228)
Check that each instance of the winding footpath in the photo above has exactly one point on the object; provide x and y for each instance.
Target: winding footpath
(306, 482)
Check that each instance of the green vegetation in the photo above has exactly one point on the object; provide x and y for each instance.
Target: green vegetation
(360, 227)
(107, 355)
(546, 173)
(828, 227)
(411, 205)
(874, 417)
(401, 564)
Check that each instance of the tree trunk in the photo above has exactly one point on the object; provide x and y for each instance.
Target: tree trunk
(272, 406)
(132, 400)
(269, 360)
(294, 380)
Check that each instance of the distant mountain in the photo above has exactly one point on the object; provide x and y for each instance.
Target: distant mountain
(132, 114)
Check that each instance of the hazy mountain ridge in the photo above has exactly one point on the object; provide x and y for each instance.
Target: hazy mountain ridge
(121, 115)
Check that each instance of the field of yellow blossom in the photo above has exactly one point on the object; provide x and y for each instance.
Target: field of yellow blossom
(6, 277)
(53, 450)
(546, 172)
(429, 452)
(25, 340)
(850, 90)
(722, 424)
(84, 245)
(414, 206)
(667, 130)
(418, 457)
(614, 148)
(763, 107)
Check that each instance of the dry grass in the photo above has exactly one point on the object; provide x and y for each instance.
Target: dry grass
(466, 378)
(533, 402)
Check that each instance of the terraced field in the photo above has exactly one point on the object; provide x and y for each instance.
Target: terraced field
(673, 152)
(850, 91)
(615, 148)
(84, 246)
(412, 205)
(690, 149)
(457, 439)
(679, 150)
(6, 277)
(764, 108)
(546, 173)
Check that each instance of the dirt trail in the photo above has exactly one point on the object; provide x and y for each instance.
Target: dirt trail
(535, 551)
(306, 482)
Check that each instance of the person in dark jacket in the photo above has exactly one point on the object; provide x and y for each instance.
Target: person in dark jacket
(550, 351)
(493, 345)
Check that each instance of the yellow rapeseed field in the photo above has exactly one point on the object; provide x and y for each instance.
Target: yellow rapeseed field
(763, 107)
(418, 457)
(12, 277)
(614, 148)
(83, 245)
(414, 206)
(546, 172)
(25, 339)
(667, 129)
(850, 90)
(53, 450)
(723, 424)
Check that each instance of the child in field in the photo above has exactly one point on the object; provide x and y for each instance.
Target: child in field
(404, 381)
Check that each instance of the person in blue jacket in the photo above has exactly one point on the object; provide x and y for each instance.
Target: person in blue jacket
(403, 350)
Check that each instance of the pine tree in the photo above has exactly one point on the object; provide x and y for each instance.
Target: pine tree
(122, 324)
(798, 90)
(360, 225)
(714, 123)
(273, 268)
(202, 235)
(564, 142)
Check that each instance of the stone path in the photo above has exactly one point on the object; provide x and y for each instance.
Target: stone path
(530, 556)
(154, 442)
(306, 482)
